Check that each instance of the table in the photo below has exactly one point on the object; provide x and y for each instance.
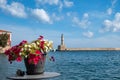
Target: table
(35, 77)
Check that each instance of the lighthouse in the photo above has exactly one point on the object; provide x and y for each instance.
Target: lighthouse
(61, 47)
(62, 39)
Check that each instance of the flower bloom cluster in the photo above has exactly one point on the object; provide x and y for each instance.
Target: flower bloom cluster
(33, 51)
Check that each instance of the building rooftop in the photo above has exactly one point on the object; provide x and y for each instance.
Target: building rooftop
(5, 31)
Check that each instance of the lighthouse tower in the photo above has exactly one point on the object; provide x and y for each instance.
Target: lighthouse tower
(62, 47)
(62, 39)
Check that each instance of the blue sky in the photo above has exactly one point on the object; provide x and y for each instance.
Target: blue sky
(84, 23)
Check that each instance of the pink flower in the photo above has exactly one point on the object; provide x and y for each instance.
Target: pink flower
(19, 59)
(42, 45)
(23, 42)
(7, 52)
(41, 38)
(31, 56)
(36, 60)
(25, 49)
(38, 52)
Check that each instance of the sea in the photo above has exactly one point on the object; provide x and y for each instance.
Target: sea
(73, 65)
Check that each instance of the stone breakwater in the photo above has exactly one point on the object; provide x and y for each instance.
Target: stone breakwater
(80, 49)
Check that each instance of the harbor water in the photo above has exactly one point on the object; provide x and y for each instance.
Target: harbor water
(73, 65)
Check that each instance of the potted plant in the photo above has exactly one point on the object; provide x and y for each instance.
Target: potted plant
(33, 54)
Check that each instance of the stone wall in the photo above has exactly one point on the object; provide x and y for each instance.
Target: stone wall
(76, 49)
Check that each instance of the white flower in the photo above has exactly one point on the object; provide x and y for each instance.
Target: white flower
(38, 43)
(25, 45)
(29, 46)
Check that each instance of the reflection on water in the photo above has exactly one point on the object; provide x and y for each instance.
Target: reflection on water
(79, 65)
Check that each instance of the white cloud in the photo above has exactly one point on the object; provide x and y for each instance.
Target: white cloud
(68, 3)
(15, 8)
(105, 41)
(107, 24)
(88, 34)
(109, 11)
(112, 25)
(85, 15)
(57, 18)
(79, 23)
(41, 14)
(65, 3)
(113, 3)
(59, 3)
(3, 3)
(60, 6)
(51, 2)
(98, 14)
(117, 17)
(68, 14)
(83, 23)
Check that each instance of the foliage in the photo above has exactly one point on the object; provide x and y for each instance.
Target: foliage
(3, 39)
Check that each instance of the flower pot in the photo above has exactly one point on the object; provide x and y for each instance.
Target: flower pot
(33, 69)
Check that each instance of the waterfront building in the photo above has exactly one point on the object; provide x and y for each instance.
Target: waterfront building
(8, 42)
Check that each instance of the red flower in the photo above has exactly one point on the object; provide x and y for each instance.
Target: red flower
(31, 56)
(23, 42)
(36, 60)
(19, 59)
(33, 53)
(42, 45)
(7, 52)
(41, 38)
(33, 59)
(38, 52)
